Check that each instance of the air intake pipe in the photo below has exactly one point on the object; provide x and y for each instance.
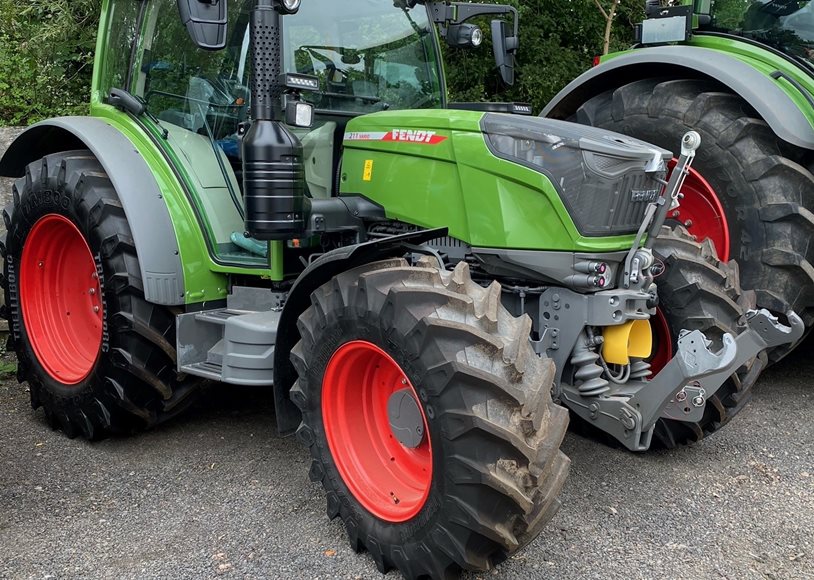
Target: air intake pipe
(273, 170)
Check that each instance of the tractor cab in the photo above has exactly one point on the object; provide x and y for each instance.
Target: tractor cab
(783, 25)
(367, 57)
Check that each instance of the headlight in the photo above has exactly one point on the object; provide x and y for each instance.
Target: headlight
(477, 37)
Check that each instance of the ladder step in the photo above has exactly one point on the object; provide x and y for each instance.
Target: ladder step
(207, 370)
(219, 317)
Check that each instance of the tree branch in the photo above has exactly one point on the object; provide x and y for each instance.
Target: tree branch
(601, 9)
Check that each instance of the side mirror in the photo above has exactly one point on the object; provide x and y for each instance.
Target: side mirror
(206, 22)
(464, 36)
(505, 46)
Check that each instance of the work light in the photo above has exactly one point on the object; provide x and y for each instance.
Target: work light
(464, 36)
(477, 37)
(290, 6)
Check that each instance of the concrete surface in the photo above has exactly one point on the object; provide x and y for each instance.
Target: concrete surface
(216, 494)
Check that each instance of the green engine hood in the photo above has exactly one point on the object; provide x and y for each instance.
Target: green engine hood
(503, 181)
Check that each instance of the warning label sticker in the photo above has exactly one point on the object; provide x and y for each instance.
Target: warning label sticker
(417, 136)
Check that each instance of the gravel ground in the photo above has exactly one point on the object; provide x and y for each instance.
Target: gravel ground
(216, 494)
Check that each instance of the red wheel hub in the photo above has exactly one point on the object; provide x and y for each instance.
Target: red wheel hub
(61, 300)
(702, 213)
(662, 342)
(389, 478)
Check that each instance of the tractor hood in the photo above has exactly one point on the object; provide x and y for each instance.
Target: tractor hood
(499, 180)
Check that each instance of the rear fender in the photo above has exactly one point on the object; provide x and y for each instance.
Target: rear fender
(147, 214)
(762, 92)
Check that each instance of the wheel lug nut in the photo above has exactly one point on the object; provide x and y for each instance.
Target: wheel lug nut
(41, 264)
(688, 224)
(403, 381)
(676, 213)
(92, 291)
(96, 309)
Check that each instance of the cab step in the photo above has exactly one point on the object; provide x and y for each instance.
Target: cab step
(235, 344)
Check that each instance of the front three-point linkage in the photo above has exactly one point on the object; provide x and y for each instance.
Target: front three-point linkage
(680, 391)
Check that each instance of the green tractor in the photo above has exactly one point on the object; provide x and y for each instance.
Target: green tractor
(740, 73)
(281, 196)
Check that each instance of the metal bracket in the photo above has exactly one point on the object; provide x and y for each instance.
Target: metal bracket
(629, 413)
(687, 405)
(550, 340)
(765, 331)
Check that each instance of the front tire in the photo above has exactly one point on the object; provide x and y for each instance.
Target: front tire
(98, 358)
(751, 194)
(483, 475)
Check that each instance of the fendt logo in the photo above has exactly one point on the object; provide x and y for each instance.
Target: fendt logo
(409, 136)
(418, 136)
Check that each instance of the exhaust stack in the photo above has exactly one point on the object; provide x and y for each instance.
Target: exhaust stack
(273, 171)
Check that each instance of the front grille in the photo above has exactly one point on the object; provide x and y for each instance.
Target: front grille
(600, 176)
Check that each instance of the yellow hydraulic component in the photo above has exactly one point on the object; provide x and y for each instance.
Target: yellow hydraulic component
(632, 339)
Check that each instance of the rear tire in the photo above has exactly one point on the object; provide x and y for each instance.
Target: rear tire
(128, 382)
(493, 431)
(698, 292)
(763, 184)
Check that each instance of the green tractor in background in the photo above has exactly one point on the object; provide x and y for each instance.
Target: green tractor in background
(740, 73)
(281, 196)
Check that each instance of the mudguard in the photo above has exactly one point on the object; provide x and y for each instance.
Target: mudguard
(299, 298)
(762, 92)
(147, 214)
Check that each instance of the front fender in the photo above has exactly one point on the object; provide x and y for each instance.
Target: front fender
(317, 274)
(762, 92)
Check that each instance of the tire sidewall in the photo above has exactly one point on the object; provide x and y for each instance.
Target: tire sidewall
(36, 201)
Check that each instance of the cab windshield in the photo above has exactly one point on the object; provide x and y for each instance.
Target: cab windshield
(369, 55)
(787, 25)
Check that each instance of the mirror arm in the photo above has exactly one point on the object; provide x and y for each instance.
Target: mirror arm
(446, 14)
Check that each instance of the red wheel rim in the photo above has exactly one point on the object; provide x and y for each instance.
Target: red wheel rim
(702, 213)
(60, 297)
(662, 342)
(389, 479)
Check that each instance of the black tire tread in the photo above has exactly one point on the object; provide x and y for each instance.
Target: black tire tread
(699, 292)
(137, 386)
(472, 347)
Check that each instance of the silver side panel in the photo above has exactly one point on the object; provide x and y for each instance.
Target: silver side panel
(235, 344)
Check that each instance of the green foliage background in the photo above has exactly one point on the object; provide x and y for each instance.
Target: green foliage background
(46, 58)
(46, 54)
